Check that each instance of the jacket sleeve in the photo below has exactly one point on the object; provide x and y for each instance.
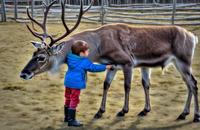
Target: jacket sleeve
(89, 66)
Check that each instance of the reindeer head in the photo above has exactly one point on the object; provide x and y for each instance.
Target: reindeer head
(44, 58)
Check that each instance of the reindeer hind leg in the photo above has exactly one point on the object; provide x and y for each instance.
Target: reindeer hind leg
(191, 83)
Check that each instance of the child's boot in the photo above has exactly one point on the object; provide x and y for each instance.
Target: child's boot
(66, 113)
(72, 118)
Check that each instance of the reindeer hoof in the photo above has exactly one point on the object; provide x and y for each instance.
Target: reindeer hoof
(182, 116)
(143, 112)
(196, 118)
(97, 115)
(120, 114)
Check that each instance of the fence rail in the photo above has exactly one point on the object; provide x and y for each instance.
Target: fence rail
(110, 11)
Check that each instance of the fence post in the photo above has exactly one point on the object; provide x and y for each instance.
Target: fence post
(102, 12)
(15, 10)
(3, 15)
(1, 11)
(173, 11)
(32, 8)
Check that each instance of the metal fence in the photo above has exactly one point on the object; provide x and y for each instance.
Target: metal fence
(156, 12)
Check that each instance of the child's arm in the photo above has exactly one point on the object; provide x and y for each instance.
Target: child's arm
(89, 66)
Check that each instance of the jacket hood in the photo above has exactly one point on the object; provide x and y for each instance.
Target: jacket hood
(73, 60)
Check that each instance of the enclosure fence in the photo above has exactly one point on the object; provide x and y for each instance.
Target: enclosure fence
(152, 12)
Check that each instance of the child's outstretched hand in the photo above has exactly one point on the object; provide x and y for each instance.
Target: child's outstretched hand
(110, 67)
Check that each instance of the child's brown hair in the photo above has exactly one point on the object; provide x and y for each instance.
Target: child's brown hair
(79, 46)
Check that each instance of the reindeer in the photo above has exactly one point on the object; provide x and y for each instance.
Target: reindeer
(125, 46)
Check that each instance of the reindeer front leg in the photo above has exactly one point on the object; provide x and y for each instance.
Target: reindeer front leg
(109, 77)
(127, 70)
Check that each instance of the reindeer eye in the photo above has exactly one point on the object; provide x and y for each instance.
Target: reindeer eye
(41, 59)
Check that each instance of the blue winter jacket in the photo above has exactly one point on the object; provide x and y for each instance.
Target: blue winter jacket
(75, 77)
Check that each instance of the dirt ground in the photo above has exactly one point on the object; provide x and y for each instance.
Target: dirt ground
(37, 104)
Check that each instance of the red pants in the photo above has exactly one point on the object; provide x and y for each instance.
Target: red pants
(72, 97)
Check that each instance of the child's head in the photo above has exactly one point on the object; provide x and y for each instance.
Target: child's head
(80, 48)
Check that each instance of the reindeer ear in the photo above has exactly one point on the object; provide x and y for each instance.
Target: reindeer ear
(56, 49)
(37, 44)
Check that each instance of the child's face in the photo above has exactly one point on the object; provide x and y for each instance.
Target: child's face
(85, 53)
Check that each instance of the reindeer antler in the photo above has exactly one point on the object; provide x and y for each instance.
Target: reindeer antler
(45, 35)
(68, 31)
(43, 24)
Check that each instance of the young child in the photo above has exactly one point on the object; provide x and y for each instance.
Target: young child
(75, 78)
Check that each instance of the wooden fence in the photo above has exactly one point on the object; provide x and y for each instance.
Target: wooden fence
(154, 12)
(158, 14)
(3, 11)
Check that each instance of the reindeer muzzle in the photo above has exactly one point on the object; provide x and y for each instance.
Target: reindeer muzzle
(26, 75)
